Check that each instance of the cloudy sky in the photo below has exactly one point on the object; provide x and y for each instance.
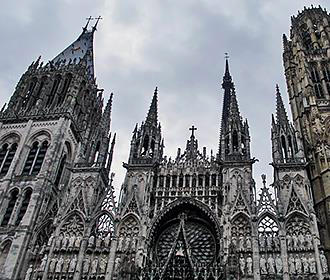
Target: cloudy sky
(176, 45)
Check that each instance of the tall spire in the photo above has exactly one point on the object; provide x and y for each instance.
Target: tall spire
(80, 49)
(281, 116)
(233, 105)
(227, 85)
(152, 117)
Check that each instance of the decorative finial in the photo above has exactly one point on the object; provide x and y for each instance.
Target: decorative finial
(193, 128)
(88, 20)
(226, 55)
(97, 21)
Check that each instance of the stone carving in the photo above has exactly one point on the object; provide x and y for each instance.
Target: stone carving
(248, 243)
(94, 266)
(298, 264)
(269, 241)
(241, 243)
(295, 245)
(292, 267)
(72, 240)
(65, 243)
(289, 242)
(305, 264)
(324, 262)
(107, 240)
(277, 242)
(98, 242)
(301, 240)
(91, 241)
(262, 241)
(102, 265)
(72, 266)
(242, 264)
(271, 264)
(59, 265)
(263, 268)
(249, 265)
(50, 240)
(309, 241)
(43, 263)
(52, 264)
(312, 264)
(278, 264)
(59, 241)
(29, 273)
(77, 242)
(86, 265)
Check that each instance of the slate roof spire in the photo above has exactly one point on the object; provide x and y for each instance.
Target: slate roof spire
(152, 117)
(281, 116)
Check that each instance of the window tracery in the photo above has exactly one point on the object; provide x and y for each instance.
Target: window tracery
(7, 154)
(35, 158)
(24, 206)
(10, 208)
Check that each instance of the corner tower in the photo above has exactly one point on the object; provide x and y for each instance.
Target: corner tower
(306, 61)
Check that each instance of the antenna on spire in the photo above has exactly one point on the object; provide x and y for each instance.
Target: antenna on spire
(88, 20)
(97, 21)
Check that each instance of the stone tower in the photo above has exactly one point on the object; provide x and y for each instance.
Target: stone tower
(55, 158)
(307, 69)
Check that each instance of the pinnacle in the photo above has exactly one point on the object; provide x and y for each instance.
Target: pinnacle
(281, 116)
(153, 111)
(234, 110)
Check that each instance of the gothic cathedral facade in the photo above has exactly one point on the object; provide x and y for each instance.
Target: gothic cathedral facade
(197, 215)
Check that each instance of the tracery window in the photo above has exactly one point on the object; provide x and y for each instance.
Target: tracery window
(60, 171)
(64, 89)
(24, 206)
(10, 208)
(104, 227)
(35, 158)
(315, 77)
(7, 153)
(53, 91)
(240, 226)
(4, 253)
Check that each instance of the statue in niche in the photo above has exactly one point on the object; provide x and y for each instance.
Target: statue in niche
(249, 265)
(324, 262)
(91, 241)
(86, 265)
(73, 263)
(301, 239)
(295, 242)
(277, 242)
(292, 267)
(66, 265)
(29, 273)
(312, 264)
(65, 243)
(309, 241)
(77, 241)
(289, 241)
(234, 241)
(298, 264)
(269, 241)
(59, 241)
(94, 266)
(102, 265)
(263, 268)
(59, 265)
(98, 242)
(127, 244)
(242, 264)
(50, 240)
(43, 263)
(117, 264)
(52, 264)
(72, 240)
(262, 241)
(107, 240)
(271, 264)
(279, 264)
(248, 243)
(305, 264)
(120, 243)
(241, 243)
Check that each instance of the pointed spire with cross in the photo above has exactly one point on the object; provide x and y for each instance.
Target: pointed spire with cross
(193, 128)
(97, 21)
(87, 23)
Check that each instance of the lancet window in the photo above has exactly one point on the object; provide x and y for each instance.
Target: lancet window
(10, 207)
(7, 153)
(318, 90)
(53, 91)
(268, 234)
(64, 89)
(35, 158)
(29, 92)
(24, 206)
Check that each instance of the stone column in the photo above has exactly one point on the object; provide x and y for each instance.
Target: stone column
(284, 255)
(255, 251)
(83, 246)
(111, 260)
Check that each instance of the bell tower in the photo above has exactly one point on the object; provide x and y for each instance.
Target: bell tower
(306, 59)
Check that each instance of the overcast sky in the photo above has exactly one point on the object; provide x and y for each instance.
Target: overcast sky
(177, 45)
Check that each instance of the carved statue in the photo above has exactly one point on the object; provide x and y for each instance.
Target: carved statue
(324, 262)
(91, 241)
(289, 241)
(43, 263)
(241, 243)
(107, 240)
(59, 241)
(248, 243)
(263, 269)
(309, 241)
(52, 265)
(65, 242)
(120, 244)
(66, 265)
(295, 242)
(77, 242)
(278, 264)
(102, 265)
(302, 241)
(305, 264)
(298, 264)
(117, 264)
(86, 265)
(242, 264)
(72, 266)
(94, 266)
(29, 273)
(50, 240)
(312, 264)
(271, 264)
(262, 241)
(277, 242)
(59, 264)
(292, 267)
(269, 241)
(249, 265)
(72, 240)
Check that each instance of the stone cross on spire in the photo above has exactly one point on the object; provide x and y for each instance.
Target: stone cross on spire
(193, 128)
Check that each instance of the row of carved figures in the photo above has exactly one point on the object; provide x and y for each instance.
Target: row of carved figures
(71, 241)
(299, 242)
(127, 244)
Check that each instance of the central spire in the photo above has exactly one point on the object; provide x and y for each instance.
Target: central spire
(152, 117)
